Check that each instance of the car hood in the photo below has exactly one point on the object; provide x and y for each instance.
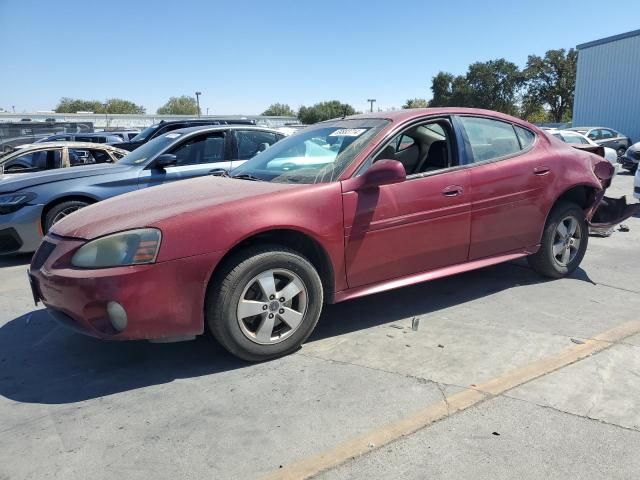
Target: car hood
(151, 206)
(20, 181)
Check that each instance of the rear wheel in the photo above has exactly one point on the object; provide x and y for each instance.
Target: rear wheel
(60, 211)
(564, 242)
(264, 303)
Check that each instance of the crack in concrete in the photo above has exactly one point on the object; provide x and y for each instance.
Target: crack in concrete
(444, 397)
(559, 410)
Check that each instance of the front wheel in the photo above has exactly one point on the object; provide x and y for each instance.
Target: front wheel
(264, 303)
(564, 242)
(60, 211)
(621, 151)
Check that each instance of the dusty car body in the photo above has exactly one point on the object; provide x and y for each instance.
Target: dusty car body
(49, 156)
(410, 196)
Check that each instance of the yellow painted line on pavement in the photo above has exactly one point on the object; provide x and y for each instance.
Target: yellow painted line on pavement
(374, 439)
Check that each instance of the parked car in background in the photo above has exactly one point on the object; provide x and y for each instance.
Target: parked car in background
(606, 137)
(49, 156)
(339, 210)
(575, 138)
(30, 204)
(631, 158)
(125, 135)
(107, 138)
(163, 127)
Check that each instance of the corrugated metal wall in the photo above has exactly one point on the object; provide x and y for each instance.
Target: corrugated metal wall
(608, 87)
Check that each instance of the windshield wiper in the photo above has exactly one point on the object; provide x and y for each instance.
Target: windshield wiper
(247, 176)
(219, 172)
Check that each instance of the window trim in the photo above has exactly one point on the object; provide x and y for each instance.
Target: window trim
(503, 157)
(366, 164)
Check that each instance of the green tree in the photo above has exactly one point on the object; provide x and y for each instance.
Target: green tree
(114, 105)
(551, 82)
(119, 105)
(183, 105)
(279, 110)
(73, 105)
(494, 85)
(416, 103)
(324, 111)
(450, 91)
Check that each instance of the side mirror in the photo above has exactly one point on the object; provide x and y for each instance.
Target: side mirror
(382, 172)
(165, 160)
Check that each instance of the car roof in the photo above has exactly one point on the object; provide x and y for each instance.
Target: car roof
(411, 113)
(576, 129)
(48, 145)
(205, 128)
(204, 120)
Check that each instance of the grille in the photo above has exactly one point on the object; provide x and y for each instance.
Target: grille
(44, 250)
(635, 154)
(9, 240)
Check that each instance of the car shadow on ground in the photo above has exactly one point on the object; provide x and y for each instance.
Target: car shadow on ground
(15, 260)
(41, 362)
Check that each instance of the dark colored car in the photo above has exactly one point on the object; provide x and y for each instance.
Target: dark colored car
(163, 127)
(341, 209)
(106, 137)
(30, 203)
(606, 137)
(631, 158)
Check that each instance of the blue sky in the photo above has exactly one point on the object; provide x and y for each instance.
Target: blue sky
(244, 55)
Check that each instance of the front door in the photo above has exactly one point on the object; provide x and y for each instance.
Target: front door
(418, 225)
(196, 156)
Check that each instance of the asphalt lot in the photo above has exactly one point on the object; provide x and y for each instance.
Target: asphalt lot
(73, 407)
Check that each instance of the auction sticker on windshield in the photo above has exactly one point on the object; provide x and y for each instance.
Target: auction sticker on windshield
(348, 132)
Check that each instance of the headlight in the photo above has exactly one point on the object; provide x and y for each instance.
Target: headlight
(14, 201)
(133, 247)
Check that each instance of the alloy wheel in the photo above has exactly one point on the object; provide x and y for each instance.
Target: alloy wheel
(272, 306)
(566, 240)
(63, 213)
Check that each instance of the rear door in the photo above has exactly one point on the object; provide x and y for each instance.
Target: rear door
(248, 143)
(196, 156)
(508, 179)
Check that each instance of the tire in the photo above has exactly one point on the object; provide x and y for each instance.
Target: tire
(62, 210)
(621, 151)
(552, 262)
(242, 334)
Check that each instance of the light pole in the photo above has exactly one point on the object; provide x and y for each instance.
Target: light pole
(106, 118)
(198, 102)
(207, 111)
(371, 101)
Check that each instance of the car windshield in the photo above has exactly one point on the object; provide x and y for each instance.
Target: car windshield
(144, 134)
(149, 149)
(317, 154)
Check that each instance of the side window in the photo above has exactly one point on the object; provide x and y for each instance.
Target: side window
(42, 160)
(606, 134)
(404, 142)
(252, 142)
(489, 138)
(594, 135)
(202, 149)
(526, 137)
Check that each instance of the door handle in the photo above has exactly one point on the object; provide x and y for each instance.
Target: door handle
(540, 171)
(452, 191)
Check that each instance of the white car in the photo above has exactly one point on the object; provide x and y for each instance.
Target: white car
(569, 136)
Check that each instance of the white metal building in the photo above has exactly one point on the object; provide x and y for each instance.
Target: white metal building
(608, 84)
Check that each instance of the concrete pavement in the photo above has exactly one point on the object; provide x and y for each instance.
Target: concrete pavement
(82, 407)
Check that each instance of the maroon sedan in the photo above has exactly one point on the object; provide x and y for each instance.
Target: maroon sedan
(341, 209)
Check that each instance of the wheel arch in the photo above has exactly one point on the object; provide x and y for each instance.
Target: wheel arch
(297, 240)
(65, 198)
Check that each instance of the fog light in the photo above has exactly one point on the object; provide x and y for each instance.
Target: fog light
(117, 316)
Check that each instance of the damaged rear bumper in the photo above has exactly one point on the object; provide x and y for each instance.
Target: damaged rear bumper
(612, 211)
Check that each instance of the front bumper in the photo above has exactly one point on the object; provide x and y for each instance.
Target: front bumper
(161, 300)
(21, 231)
